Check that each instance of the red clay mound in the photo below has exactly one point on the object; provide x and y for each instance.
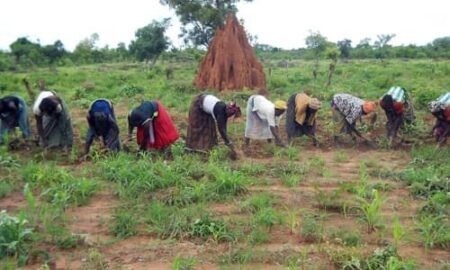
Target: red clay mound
(230, 63)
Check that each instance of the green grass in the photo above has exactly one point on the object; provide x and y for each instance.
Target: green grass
(177, 199)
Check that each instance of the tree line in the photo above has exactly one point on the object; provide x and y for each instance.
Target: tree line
(200, 19)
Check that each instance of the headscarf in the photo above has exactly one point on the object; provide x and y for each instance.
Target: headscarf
(369, 107)
(315, 104)
(280, 105)
(436, 106)
(234, 109)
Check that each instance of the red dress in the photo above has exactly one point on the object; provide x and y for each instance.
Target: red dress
(165, 131)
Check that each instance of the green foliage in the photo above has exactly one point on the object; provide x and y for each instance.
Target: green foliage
(184, 263)
(131, 90)
(200, 19)
(434, 231)
(206, 227)
(347, 237)
(268, 217)
(371, 210)
(14, 237)
(258, 236)
(228, 182)
(5, 187)
(58, 185)
(150, 41)
(124, 223)
(311, 228)
(257, 202)
(95, 261)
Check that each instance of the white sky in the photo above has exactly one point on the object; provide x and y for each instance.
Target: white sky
(280, 23)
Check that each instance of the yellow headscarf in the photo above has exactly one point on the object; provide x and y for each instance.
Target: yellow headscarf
(281, 105)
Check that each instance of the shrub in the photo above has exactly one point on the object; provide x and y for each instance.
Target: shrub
(124, 223)
(206, 227)
(311, 229)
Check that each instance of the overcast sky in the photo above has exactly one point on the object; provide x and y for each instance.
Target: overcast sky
(280, 23)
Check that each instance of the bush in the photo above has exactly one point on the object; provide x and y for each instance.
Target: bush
(131, 90)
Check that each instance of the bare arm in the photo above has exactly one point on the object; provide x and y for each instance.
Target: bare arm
(275, 134)
(146, 136)
(130, 128)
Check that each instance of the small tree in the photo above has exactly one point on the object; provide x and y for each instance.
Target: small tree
(381, 45)
(54, 52)
(333, 54)
(150, 41)
(317, 43)
(85, 50)
(344, 47)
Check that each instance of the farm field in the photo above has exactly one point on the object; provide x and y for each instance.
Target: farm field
(300, 207)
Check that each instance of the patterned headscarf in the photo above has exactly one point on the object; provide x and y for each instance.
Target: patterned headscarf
(436, 106)
(234, 109)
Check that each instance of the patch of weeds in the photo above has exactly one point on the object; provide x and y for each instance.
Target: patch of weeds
(341, 157)
(5, 188)
(268, 217)
(7, 160)
(236, 256)
(252, 169)
(184, 263)
(124, 223)
(438, 204)
(434, 231)
(258, 236)
(95, 261)
(206, 227)
(227, 182)
(189, 194)
(281, 169)
(292, 180)
(70, 241)
(257, 202)
(311, 229)
(347, 237)
(59, 186)
(15, 237)
(329, 201)
(316, 162)
(172, 222)
(292, 153)
(292, 218)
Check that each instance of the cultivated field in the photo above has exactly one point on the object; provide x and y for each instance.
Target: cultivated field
(354, 207)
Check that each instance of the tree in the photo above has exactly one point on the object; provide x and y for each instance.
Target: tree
(344, 47)
(383, 41)
(200, 18)
(85, 49)
(317, 43)
(150, 41)
(382, 44)
(24, 50)
(54, 52)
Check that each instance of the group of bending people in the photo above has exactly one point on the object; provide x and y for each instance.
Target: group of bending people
(208, 114)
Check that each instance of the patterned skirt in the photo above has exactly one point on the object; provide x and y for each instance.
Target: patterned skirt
(202, 131)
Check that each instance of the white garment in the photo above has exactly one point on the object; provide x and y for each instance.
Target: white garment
(260, 117)
(209, 101)
(42, 95)
(265, 109)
